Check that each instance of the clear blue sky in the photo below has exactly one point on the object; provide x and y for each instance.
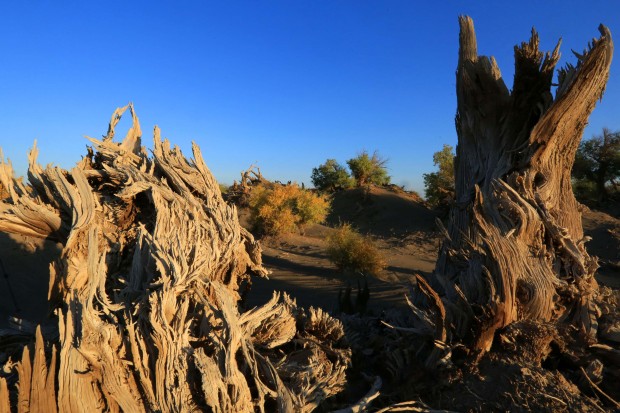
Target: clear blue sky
(286, 84)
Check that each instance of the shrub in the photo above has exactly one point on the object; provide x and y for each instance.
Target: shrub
(351, 251)
(310, 208)
(368, 170)
(439, 186)
(281, 209)
(331, 176)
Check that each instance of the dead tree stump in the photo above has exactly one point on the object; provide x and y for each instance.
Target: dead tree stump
(514, 247)
(145, 294)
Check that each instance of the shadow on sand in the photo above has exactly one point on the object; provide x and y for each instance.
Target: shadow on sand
(319, 286)
(24, 277)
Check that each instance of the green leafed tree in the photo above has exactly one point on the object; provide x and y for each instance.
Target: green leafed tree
(330, 176)
(596, 171)
(439, 185)
(368, 169)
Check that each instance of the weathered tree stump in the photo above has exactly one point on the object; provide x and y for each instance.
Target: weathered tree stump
(514, 247)
(145, 294)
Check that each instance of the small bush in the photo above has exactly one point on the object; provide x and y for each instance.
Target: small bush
(282, 209)
(351, 251)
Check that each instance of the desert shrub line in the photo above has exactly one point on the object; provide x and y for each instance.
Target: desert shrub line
(364, 169)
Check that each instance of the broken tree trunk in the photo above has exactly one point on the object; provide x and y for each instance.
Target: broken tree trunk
(145, 294)
(514, 247)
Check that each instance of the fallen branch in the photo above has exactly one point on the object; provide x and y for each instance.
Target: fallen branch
(599, 390)
(364, 403)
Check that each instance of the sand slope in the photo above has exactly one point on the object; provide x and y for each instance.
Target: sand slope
(405, 231)
(403, 228)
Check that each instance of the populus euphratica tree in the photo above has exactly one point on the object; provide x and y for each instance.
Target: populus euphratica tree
(439, 185)
(369, 170)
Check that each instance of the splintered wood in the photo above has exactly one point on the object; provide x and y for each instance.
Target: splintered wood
(514, 248)
(145, 294)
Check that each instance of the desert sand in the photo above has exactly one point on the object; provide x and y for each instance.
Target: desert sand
(405, 230)
(403, 227)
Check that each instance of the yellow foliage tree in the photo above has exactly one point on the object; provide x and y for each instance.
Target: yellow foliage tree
(280, 209)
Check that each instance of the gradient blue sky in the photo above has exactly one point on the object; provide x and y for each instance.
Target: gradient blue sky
(285, 84)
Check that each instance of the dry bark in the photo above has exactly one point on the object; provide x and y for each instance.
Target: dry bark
(514, 247)
(146, 289)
